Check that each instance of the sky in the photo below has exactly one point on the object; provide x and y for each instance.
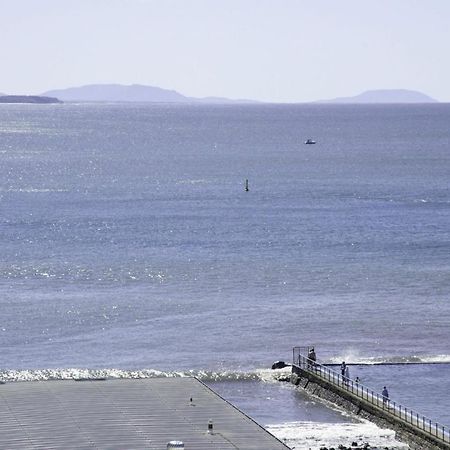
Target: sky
(268, 50)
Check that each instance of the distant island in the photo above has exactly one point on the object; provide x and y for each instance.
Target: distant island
(142, 93)
(151, 94)
(385, 96)
(28, 99)
(132, 93)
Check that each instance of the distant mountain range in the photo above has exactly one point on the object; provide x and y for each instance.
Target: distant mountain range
(141, 93)
(385, 96)
(132, 93)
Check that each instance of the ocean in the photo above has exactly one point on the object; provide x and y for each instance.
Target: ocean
(131, 248)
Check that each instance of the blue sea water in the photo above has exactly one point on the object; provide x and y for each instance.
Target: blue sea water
(129, 243)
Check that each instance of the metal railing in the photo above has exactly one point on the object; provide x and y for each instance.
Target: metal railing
(389, 406)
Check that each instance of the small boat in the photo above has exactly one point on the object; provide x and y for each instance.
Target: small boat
(310, 141)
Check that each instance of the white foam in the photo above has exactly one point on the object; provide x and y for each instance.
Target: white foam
(313, 435)
(436, 359)
(273, 375)
(351, 357)
(77, 373)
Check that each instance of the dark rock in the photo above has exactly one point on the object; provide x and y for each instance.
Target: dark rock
(279, 365)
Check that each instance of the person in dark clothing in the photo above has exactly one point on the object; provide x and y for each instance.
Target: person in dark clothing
(385, 395)
(343, 367)
(312, 358)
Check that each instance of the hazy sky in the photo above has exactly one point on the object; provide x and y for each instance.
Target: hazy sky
(271, 50)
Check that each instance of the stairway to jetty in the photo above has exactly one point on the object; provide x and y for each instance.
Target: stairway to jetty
(411, 427)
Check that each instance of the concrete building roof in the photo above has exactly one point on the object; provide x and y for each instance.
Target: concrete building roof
(124, 414)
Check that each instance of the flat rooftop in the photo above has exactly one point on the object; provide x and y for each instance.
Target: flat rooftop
(124, 414)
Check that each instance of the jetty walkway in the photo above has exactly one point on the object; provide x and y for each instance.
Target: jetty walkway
(412, 427)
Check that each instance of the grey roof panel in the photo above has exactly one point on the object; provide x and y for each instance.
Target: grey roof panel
(124, 414)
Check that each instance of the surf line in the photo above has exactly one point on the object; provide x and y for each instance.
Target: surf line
(398, 363)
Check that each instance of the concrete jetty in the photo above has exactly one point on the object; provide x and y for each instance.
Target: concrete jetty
(124, 414)
(418, 431)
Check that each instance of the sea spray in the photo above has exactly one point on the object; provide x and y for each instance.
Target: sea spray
(314, 436)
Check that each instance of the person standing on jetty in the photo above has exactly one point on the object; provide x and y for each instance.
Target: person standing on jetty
(385, 395)
(312, 358)
(343, 369)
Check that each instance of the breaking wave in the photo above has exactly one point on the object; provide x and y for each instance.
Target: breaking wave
(350, 358)
(266, 375)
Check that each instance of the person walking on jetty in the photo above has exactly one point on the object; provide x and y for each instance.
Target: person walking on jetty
(385, 395)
